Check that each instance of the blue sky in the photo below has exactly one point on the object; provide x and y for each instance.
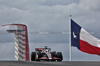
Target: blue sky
(49, 16)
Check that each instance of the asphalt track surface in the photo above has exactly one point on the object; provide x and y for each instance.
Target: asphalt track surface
(43, 63)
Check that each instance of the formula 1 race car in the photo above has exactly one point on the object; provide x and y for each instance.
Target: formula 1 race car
(46, 54)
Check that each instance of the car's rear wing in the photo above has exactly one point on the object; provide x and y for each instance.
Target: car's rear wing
(40, 49)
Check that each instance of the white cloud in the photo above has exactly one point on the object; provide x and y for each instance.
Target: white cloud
(7, 51)
(90, 4)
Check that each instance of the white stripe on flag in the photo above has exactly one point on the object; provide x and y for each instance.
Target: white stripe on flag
(85, 36)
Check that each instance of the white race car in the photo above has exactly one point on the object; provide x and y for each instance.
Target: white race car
(46, 54)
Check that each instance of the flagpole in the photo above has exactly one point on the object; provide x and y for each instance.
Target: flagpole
(70, 53)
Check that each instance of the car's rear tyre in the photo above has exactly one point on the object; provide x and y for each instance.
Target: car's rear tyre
(59, 55)
(53, 60)
(53, 55)
(37, 59)
(39, 56)
(33, 56)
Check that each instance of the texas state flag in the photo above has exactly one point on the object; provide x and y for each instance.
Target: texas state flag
(81, 39)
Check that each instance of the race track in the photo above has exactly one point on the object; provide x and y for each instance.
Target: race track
(64, 63)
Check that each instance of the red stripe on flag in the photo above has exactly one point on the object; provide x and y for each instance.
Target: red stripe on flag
(86, 47)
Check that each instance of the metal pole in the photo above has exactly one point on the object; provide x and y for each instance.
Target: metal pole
(70, 38)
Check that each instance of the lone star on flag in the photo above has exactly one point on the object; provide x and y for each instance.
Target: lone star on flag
(74, 35)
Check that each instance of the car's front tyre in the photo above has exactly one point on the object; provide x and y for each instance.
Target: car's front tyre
(59, 55)
(33, 56)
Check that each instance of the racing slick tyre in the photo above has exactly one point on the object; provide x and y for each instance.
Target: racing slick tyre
(33, 56)
(59, 55)
(39, 56)
(37, 59)
(53, 55)
(53, 60)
